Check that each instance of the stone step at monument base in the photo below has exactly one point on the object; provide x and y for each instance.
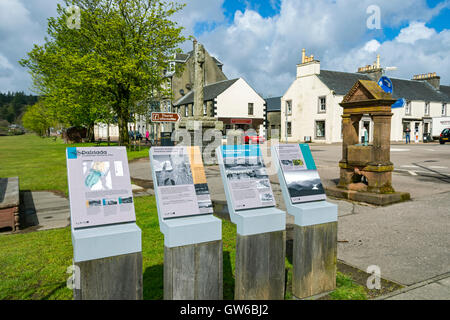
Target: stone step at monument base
(367, 197)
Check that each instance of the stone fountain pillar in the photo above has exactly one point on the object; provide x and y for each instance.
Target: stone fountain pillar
(366, 171)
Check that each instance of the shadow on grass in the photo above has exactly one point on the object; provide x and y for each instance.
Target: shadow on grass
(228, 277)
(153, 283)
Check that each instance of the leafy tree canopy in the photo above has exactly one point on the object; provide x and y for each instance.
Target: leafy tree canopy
(113, 61)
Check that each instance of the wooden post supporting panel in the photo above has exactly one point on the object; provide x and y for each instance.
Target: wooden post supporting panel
(260, 266)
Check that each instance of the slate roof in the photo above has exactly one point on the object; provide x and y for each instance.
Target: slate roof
(273, 104)
(210, 92)
(182, 56)
(446, 91)
(342, 82)
(417, 90)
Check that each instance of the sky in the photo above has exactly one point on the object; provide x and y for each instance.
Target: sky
(261, 41)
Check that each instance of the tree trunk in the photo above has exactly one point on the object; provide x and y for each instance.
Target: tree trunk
(90, 133)
(124, 138)
(108, 136)
(121, 108)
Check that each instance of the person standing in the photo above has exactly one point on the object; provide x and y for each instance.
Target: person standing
(408, 135)
(147, 136)
(365, 137)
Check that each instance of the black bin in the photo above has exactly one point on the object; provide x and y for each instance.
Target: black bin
(166, 139)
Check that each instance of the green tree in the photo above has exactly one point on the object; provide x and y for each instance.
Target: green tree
(38, 118)
(112, 62)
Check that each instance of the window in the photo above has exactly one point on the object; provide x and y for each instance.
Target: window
(322, 104)
(408, 108)
(320, 129)
(444, 109)
(289, 107)
(427, 108)
(251, 109)
(186, 110)
(289, 129)
(205, 109)
(191, 108)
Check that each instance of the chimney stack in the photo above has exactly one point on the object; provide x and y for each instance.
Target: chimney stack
(308, 66)
(374, 71)
(432, 78)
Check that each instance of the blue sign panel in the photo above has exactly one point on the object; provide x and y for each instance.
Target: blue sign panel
(399, 104)
(386, 84)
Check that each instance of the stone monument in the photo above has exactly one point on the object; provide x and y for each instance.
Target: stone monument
(366, 170)
(198, 124)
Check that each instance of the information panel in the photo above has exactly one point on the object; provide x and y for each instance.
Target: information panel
(300, 173)
(99, 187)
(247, 177)
(181, 182)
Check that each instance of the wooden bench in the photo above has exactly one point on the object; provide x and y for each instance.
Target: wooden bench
(9, 203)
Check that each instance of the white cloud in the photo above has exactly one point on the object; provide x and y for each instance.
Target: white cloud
(22, 24)
(372, 46)
(265, 51)
(415, 31)
(6, 67)
(198, 11)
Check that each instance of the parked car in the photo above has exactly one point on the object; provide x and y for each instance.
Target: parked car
(253, 138)
(445, 136)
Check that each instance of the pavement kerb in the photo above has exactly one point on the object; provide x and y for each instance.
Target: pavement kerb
(414, 286)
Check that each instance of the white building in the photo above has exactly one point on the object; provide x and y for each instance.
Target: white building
(234, 102)
(310, 107)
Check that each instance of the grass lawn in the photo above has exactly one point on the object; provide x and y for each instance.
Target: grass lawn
(40, 163)
(34, 265)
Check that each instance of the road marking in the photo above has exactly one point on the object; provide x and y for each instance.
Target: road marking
(409, 166)
(399, 150)
(412, 173)
(437, 167)
(430, 150)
